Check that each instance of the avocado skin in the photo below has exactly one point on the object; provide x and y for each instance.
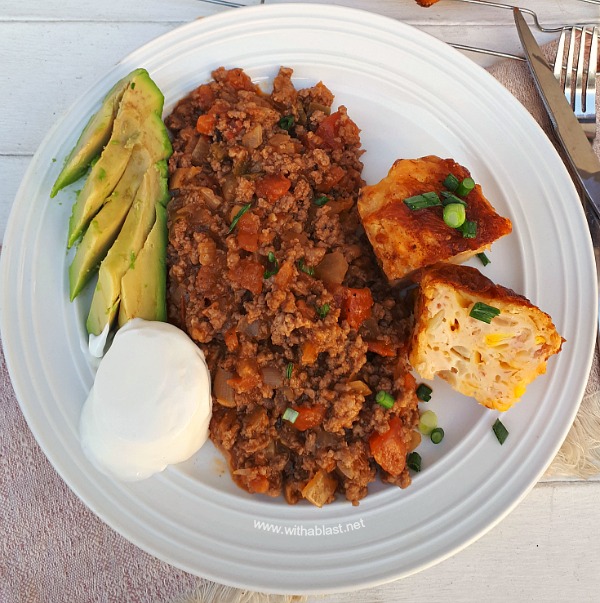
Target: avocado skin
(154, 145)
(144, 285)
(124, 252)
(94, 136)
(140, 99)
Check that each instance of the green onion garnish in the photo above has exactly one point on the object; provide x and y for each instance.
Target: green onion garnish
(290, 415)
(321, 200)
(500, 431)
(483, 312)
(451, 198)
(384, 399)
(484, 258)
(289, 370)
(304, 268)
(323, 310)
(286, 122)
(469, 229)
(437, 435)
(422, 201)
(237, 217)
(274, 263)
(455, 215)
(424, 392)
(413, 460)
(427, 422)
(451, 182)
(465, 187)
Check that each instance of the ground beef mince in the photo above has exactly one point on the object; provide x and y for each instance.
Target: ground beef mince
(271, 274)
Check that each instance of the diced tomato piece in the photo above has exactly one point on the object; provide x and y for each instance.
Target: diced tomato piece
(204, 96)
(258, 485)
(382, 348)
(248, 377)
(306, 311)
(333, 176)
(389, 448)
(327, 131)
(285, 274)
(231, 339)
(309, 416)
(273, 187)
(309, 353)
(206, 124)
(410, 383)
(247, 232)
(356, 306)
(248, 274)
(238, 80)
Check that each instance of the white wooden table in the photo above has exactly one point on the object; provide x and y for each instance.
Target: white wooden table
(548, 549)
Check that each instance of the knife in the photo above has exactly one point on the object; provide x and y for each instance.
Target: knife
(584, 163)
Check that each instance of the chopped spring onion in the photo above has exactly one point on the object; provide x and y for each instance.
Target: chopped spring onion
(500, 431)
(465, 187)
(484, 258)
(437, 435)
(290, 415)
(273, 268)
(427, 422)
(286, 122)
(451, 198)
(455, 215)
(424, 392)
(422, 201)
(237, 217)
(323, 310)
(304, 268)
(321, 200)
(289, 370)
(451, 182)
(469, 229)
(483, 312)
(384, 399)
(413, 460)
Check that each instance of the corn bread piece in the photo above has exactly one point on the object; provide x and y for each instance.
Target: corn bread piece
(405, 239)
(494, 362)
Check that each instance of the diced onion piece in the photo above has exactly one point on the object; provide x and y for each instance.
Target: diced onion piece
(360, 387)
(182, 175)
(253, 138)
(213, 201)
(223, 391)
(272, 376)
(427, 422)
(332, 268)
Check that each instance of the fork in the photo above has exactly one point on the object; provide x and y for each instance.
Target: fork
(580, 66)
(575, 70)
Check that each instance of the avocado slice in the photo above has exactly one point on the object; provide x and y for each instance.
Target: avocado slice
(104, 227)
(94, 136)
(123, 254)
(141, 99)
(144, 285)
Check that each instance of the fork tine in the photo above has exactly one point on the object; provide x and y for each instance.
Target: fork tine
(559, 63)
(569, 71)
(590, 87)
(579, 102)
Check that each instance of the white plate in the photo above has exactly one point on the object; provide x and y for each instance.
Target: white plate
(411, 95)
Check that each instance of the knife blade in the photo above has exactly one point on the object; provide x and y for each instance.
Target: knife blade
(584, 163)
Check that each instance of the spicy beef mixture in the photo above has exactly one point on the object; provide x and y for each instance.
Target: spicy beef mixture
(271, 274)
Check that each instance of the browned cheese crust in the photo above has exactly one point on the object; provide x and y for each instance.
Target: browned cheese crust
(493, 363)
(427, 2)
(404, 239)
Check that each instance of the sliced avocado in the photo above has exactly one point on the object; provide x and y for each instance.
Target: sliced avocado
(144, 285)
(103, 229)
(123, 254)
(94, 136)
(141, 99)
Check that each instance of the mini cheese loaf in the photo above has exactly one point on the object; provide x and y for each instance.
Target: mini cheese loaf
(494, 362)
(407, 239)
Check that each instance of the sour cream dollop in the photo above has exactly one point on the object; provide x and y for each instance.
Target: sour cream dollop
(150, 405)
